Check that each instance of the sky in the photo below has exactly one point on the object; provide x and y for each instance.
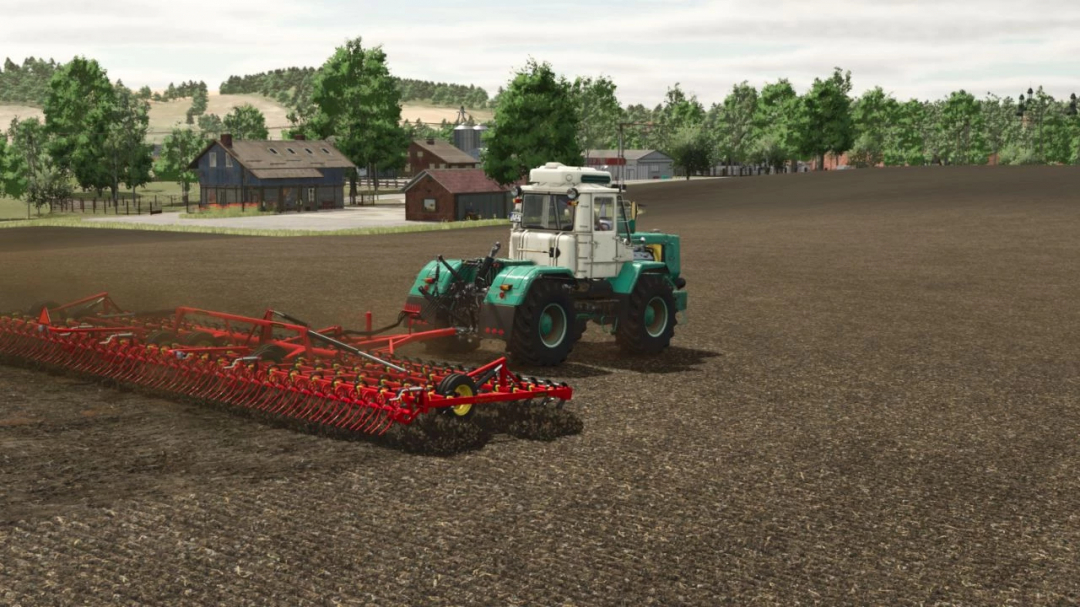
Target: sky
(911, 48)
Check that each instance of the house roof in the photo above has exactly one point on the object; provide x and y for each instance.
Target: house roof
(627, 154)
(285, 173)
(255, 155)
(444, 151)
(460, 181)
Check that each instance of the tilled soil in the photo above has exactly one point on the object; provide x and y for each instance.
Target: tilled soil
(876, 401)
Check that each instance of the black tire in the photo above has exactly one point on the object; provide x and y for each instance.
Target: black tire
(647, 322)
(270, 353)
(461, 385)
(161, 338)
(199, 339)
(539, 342)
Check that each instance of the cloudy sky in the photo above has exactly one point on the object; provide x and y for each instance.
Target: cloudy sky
(912, 48)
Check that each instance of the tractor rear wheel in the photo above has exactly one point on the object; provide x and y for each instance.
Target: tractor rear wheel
(545, 327)
(647, 322)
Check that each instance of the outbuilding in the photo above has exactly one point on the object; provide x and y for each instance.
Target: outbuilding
(636, 164)
(454, 194)
(277, 176)
(434, 153)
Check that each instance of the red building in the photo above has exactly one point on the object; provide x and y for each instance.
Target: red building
(427, 154)
(451, 194)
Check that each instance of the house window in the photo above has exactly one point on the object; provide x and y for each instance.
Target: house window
(326, 151)
(291, 151)
(228, 161)
(429, 205)
(308, 150)
(213, 160)
(272, 150)
(420, 155)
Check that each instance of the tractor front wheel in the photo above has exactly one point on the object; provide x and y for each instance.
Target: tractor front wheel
(545, 327)
(647, 322)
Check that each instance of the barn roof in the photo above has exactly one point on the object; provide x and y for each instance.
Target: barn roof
(461, 181)
(444, 151)
(283, 154)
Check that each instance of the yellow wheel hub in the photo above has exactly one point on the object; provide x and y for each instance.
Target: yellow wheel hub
(462, 410)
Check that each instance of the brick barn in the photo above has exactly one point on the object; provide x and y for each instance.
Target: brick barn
(430, 153)
(286, 175)
(450, 194)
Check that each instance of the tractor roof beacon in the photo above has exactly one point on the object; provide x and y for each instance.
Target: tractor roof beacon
(575, 256)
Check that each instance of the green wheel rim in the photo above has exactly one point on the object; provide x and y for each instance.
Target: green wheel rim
(552, 325)
(656, 317)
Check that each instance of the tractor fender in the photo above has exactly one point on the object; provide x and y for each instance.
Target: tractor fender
(512, 285)
(428, 271)
(628, 276)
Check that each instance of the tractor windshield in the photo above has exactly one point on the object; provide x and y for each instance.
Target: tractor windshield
(547, 212)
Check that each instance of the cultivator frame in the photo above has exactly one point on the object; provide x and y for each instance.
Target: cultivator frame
(332, 377)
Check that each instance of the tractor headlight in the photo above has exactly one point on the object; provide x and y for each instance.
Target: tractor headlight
(572, 194)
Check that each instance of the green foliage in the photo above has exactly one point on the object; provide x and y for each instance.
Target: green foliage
(536, 122)
(825, 121)
(1015, 153)
(190, 88)
(126, 153)
(421, 130)
(735, 123)
(211, 126)
(78, 111)
(200, 97)
(177, 152)
(144, 93)
(691, 149)
(357, 102)
(246, 122)
(962, 129)
(30, 172)
(28, 83)
(775, 140)
(677, 113)
(598, 112)
(876, 118)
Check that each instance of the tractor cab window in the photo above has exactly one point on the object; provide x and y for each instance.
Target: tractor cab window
(547, 212)
(624, 213)
(604, 213)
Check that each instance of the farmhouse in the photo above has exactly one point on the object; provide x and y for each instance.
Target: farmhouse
(433, 153)
(451, 194)
(639, 164)
(275, 175)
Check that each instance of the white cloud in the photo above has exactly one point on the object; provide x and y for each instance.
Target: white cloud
(914, 48)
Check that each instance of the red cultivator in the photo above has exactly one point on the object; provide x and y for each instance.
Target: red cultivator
(333, 378)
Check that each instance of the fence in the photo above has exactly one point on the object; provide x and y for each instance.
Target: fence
(140, 205)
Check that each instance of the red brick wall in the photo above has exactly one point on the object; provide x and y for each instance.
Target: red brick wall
(429, 188)
(417, 164)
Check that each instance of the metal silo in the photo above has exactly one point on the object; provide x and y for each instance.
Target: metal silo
(464, 138)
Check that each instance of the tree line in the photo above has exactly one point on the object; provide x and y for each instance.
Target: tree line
(27, 83)
(541, 115)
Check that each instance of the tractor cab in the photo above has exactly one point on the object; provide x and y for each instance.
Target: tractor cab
(572, 217)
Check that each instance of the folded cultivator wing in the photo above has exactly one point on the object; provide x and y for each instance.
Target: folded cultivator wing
(333, 378)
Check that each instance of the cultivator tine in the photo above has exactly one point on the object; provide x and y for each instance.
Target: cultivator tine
(342, 387)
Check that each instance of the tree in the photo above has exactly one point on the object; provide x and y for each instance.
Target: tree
(962, 129)
(199, 100)
(678, 112)
(126, 155)
(358, 103)
(825, 123)
(177, 152)
(775, 123)
(77, 118)
(211, 126)
(145, 93)
(691, 149)
(1000, 123)
(30, 172)
(536, 122)
(246, 122)
(734, 121)
(598, 111)
(874, 117)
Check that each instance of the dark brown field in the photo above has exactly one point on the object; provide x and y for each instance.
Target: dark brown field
(876, 402)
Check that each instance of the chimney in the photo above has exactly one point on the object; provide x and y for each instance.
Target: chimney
(431, 141)
(298, 136)
(226, 139)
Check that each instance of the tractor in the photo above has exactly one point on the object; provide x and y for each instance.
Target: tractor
(575, 257)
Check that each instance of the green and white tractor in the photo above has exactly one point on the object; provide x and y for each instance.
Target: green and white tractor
(575, 257)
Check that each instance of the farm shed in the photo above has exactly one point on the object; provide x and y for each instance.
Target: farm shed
(432, 153)
(449, 194)
(278, 176)
(640, 164)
